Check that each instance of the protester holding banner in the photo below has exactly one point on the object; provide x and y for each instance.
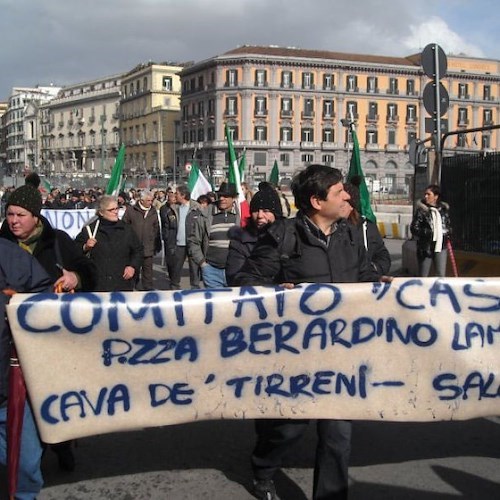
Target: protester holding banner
(144, 219)
(431, 227)
(55, 251)
(265, 208)
(19, 272)
(377, 252)
(113, 247)
(317, 246)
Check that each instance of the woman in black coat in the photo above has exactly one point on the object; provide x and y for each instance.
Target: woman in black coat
(431, 227)
(113, 247)
(265, 208)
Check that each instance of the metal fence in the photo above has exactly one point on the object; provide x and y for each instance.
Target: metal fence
(471, 185)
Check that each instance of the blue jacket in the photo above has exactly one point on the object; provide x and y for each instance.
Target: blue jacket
(20, 272)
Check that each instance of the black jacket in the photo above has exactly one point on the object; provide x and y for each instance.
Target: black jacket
(56, 248)
(243, 241)
(421, 227)
(117, 247)
(20, 272)
(291, 253)
(377, 253)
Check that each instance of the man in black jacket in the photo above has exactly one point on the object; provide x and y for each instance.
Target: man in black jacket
(317, 246)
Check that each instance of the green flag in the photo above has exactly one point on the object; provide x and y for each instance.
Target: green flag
(115, 181)
(46, 184)
(355, 170)
(274, 177)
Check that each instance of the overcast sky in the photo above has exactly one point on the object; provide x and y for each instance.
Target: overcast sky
(71, 41)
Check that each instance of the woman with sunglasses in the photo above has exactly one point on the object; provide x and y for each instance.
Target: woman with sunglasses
(431, 227)
(113, 246)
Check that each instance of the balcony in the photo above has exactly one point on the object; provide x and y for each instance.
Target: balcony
(307, 115)
(289, 145)
(286, 113)
(393, 119)
(286, 85)
(309, 145)
(392, 91)
(411, 120)
(372, 118)
(261, 112)
(463, 122)
(328, 116)
(392, 148)
(329, 146)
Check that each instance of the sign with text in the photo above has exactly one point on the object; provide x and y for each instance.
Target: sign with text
(70, 221)
(413, 350)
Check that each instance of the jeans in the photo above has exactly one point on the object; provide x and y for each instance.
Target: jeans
(213, 277)
(30, 479)
(439, 259)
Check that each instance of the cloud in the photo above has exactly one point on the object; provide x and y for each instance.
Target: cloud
(70, 41)
(435, 30)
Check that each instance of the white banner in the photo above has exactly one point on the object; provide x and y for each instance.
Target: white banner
(70, 221)
(414, 350)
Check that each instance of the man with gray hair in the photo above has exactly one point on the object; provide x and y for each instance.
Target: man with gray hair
(143, 218)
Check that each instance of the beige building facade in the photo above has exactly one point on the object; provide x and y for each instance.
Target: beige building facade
(149, 111)
(292, 105)
(80, 133)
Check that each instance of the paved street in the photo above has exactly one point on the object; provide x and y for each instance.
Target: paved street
(210, 460)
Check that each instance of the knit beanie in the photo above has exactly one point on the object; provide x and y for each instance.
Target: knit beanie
(26, 197)
(266, 199)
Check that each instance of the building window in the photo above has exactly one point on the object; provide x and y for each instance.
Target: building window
(261, 106)
(201, 135)
(461, 141)
(260, 78)
(286, 79)
(328, 81)
(485, 141)
(233, 132)
(286, 106)
(285, 159)
(307, 134)
(463, 91)
(260, 133)
(393, 86)
(372, 85)
(411, 136)
(328, 160)
(411, 113)
(328, 135)
(372, 111)
(260, 159)
(328, 108)
(211, 134)
(462, 117)
(307, 80)
(391, 137)
(167, 83)
(231, 78)
(371, 137)
(487, 117)
(487, 93)
(352, 110)
(351, 83)
(410, 87)
(286, 134)
(308, 108)
(231, 106)
(307, 158)
(392, 112)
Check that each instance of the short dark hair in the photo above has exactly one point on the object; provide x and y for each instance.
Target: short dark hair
(315, 180)
(184, 191)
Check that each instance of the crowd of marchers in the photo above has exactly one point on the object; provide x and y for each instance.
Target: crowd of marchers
(327, 241)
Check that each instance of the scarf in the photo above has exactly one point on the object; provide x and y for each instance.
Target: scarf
(437, 229)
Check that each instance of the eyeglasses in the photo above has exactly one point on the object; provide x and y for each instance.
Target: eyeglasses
(114, 209)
